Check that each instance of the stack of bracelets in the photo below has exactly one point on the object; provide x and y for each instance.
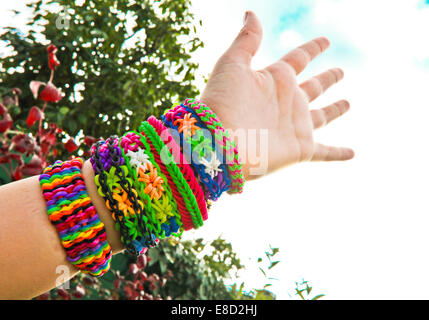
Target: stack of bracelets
(157, 182)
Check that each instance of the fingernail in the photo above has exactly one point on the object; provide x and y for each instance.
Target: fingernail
(245, 16)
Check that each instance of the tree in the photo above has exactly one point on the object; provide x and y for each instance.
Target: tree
(173, 270)
(121, 60)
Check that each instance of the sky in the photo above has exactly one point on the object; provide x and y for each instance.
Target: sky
(356, 229)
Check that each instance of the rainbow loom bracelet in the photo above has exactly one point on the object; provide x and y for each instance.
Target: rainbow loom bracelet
(169, 189)
(223, 139)
(121, 198)
(172, 172)
(70, 210)
(213, 186)
(185, 168)
(150, 186)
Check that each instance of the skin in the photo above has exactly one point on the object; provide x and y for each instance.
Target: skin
(242, 99)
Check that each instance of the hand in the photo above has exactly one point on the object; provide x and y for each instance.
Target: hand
(272, 99)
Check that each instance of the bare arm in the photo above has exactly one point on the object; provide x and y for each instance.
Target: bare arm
(32, 259)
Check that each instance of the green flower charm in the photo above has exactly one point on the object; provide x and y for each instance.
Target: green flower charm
(163, 209)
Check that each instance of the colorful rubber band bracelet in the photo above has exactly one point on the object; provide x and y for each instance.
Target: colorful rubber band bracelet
(70, 210)
(169, 189)
(185, 168)
(174, 176)
(137, 161)
(222, 138)
(213, 187)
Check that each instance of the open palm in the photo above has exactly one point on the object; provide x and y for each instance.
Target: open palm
(272, 99)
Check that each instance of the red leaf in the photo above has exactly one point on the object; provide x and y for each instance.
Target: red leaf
(51, 93)
(142, 261)
(34, 115)
(4, 159)
(143, 276)
(89, 141)
(5, 124)
(44, 296)
(33, 167)
(23, 143)
(63, 293)
(3, 109)
(79, 291)
(7, 101)
(133, 269)
(17, 175)
(52, 49)
(34, 87)
(16, 91)
(71, 146)
(53, 61)
(49, 138)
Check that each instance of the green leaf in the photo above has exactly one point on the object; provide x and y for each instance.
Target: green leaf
(64, 110)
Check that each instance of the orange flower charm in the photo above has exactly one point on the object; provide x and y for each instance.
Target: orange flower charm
(153, 182)
(124, 203)
(187, 125)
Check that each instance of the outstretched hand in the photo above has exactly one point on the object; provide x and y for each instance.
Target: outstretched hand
(272, 99)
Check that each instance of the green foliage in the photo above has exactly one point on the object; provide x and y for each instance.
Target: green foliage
(199, 270)
(121, 60)
(239, 293)
(303, 290)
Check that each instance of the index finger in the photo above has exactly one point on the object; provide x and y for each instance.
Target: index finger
(300, 57)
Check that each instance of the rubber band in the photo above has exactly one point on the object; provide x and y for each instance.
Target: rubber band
(70, 210)
(185, 168)
(222, 138)
(172, 172)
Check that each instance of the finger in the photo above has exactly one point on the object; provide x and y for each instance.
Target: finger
(317, 85)
(329, 153)
(248, 40)
(300, 57)
(321, 117)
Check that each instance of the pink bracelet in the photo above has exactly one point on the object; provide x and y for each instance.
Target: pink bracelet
(185, 168)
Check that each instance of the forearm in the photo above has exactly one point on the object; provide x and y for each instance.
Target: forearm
(32, 259)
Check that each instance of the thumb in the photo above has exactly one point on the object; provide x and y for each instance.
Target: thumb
(248, 40)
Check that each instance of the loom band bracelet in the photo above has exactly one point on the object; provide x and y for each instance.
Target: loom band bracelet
(185, 168)
(80, 233)
(221, 181)
(72, 214)
(164, 214)
(103, 190)
(73, 221)
(104, 153)
(57, 168)
(140, 186)
(222, 138)
(172, 193)
(122, 173)
(57, 184)
(213, 191)
(165, 163)
(88, 251)
(76, 190)
(98, 269)
(58, 213)
(174, 173)
(90, 261)
(178, 112)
